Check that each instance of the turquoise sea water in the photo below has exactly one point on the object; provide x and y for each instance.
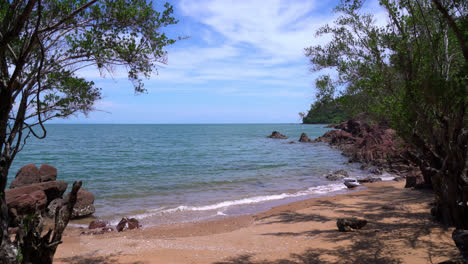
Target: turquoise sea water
(165, 173)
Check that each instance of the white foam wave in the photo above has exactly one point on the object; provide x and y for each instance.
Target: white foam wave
(317, 190)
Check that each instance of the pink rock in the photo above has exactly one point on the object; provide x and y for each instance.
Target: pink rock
(28, 174)
(47, 173)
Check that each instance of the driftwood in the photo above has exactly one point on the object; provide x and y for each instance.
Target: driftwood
(30, 245)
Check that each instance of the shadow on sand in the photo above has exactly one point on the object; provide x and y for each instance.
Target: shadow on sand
(376, 243)
(91, 258)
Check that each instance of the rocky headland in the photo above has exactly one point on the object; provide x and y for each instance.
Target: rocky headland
(377, 147)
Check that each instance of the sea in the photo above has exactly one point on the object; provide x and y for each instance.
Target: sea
(162, 174)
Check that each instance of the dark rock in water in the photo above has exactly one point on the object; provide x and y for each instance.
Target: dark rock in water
(337, 175)
(351, 183)
(460, 236)
(84, 204)
(27, 203)
(369, 180)
(97, 224)
(52, 207)
(133, 223)
(52, 189)
(305, 138)
(375, 171)
(350, 224)
(277, 134)
(127, 223)
(47, 173)
(28, 174)
(292, 142)
(121, 225)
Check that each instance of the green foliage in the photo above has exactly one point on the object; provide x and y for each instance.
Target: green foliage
(45, 43)
(331, 112)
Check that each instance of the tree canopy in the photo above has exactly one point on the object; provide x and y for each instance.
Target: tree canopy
(43, 46)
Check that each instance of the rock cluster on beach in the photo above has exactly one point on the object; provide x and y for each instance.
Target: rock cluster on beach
(376, 146)
(99, 227)
(38, 188)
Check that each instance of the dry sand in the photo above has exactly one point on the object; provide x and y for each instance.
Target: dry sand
(305, 232)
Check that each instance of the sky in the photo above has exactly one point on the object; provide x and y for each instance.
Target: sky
(243, 62)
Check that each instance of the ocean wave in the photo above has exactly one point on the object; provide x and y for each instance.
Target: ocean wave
(316, 190)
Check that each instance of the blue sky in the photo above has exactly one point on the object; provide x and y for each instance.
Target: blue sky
(243, 63)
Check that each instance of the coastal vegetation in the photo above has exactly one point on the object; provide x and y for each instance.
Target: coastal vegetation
(411, 72)
(43, 45)
(326, 112)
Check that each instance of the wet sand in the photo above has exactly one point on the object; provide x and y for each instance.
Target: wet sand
(399, 231)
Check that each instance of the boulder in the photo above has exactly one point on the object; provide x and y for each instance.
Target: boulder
(337, 175)
(27, 203)
(127, 223)
(276, 134)
(350, 224)
(52, 207)
(305, 138)
(351, 183)
(84, 204)
(47, 173)
(413, 179)
(28, 174)
(52, 189)
(375, 171)
(97, 224)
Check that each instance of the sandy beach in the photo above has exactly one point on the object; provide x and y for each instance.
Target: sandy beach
(399, 231)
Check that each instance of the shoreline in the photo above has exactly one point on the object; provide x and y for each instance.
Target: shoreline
(306, 227)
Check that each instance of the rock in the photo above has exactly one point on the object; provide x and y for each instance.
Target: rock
(350, 224)
(460, 236)
(292, 142)
(97, 224)
(305, 138)
(52, 189)
(277, 134)
(27, 203)
(369, 180)
(398, 179)
(375, 171)
(373, 145)
(133, 223)
(127, 223)
(28, 174)
(337, 175)
(84, 204)
(47, 173)
(351, 183)
(52, 207)
(414, 179)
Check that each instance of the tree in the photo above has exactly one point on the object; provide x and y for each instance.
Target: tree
(43, 44)
(413, 72)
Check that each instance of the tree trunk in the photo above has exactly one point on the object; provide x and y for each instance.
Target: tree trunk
(7, 250)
